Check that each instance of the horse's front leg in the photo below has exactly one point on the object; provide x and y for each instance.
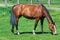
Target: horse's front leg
(36, 22)
(42, 20)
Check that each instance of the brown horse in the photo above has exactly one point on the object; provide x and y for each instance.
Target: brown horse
(37, 12)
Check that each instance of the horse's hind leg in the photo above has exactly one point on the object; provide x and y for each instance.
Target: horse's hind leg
(36, 22)
(17, 19)
(17, 26)
(12, 30)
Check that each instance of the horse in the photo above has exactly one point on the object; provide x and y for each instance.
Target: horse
(34, 11)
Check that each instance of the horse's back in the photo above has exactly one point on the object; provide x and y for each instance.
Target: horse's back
(28, 10)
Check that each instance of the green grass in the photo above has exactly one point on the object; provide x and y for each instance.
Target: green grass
(26, 26)
(25, 1)
(13, 2)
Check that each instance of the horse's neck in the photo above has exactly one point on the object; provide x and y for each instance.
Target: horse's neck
(48, 16)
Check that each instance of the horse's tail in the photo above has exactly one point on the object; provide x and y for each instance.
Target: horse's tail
(12, 18)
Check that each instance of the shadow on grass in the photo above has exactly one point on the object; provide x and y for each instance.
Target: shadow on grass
(35, 32)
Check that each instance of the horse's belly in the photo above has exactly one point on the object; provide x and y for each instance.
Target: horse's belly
(28, 16)
(38, 15)
(32, 16)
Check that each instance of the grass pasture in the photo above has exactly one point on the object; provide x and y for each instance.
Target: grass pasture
(26, 27)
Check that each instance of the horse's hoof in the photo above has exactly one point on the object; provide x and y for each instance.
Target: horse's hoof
(18, 33)
(33, 32)
(42, 33)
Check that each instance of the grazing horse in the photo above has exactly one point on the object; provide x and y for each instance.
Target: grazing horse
(35, 11)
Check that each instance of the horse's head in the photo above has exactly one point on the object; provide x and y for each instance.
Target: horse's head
(53, 28)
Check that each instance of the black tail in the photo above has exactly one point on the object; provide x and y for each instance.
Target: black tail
(12, 18)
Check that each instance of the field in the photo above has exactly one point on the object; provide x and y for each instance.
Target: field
(29, 1)
(26, 27)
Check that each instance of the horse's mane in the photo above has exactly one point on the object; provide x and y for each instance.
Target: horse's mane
(47, 12)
